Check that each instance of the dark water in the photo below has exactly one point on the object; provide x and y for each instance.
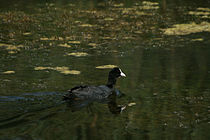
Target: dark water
(167, 88)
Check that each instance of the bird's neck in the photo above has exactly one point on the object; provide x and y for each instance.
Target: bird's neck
(111, 82)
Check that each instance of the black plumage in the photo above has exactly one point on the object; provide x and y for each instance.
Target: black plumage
(95, 92)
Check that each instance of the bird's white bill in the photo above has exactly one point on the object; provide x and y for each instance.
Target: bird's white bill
(122, 74)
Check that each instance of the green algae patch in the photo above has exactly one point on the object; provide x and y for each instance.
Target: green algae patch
(63, 70)
(106, 66)
(185, 29)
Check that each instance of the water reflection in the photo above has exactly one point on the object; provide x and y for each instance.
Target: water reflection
(114, 108)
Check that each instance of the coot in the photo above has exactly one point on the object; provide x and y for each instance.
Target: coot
(95, 92)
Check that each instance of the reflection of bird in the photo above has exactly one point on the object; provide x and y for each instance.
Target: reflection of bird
(95, 92)
(114, 108)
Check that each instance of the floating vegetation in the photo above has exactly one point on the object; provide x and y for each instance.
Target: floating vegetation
(78, 54)
(197, 39)
(92, 44)
(42, 68)
(141, 13)
(106, 67)
(118, 5)
(131, 104)
(107, 37)
(11, 48)
(147, 5)
(86, 25)
(27, 33)
(16, 17)
(150, 3)
(74, 42)
(74, 72)
(9, 72)
(197, 13)
(201, 12)
(65, 45)
(108, 19)
(63, 70)
(185, 29)
(203, 9)
(51, 38)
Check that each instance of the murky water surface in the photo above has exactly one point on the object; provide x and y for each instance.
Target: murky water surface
(48, 47)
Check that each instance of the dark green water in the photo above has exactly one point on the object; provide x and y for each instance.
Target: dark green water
(168, 76)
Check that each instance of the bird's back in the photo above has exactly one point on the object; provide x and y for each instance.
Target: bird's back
(89, 92)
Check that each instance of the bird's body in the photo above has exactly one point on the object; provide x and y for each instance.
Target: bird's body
(95, 92)
(89, 92)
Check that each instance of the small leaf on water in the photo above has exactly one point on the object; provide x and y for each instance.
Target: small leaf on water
(70, 72)
(78, 54)
(64, 45)
(42, 68)
(86, 25)
(92, 44)
(197, 39)
(106, 67)
(44, 38)
(74, 42)
(27, 33)
(8, 72)
(131, 104)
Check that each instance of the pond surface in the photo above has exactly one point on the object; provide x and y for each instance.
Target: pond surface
(49, 47)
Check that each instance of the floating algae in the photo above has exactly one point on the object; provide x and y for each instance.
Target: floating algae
(9, 72)
(185, 29)
(64, 45)
(106, 67)
(11, 48)
(64, 70)
(78, 54)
